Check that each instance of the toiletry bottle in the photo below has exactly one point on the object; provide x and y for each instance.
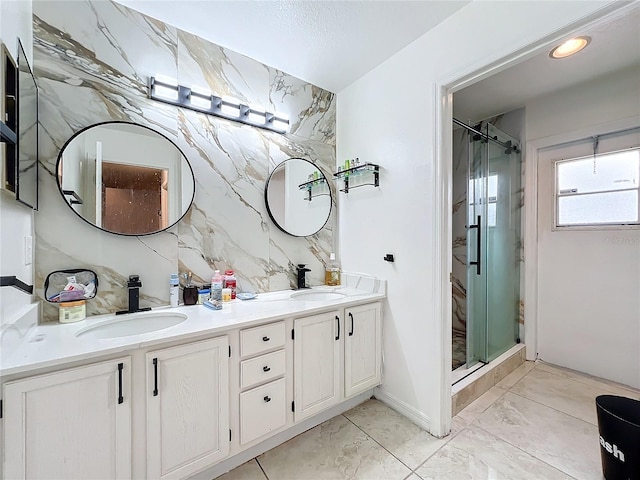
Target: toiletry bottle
(226, 294)
(216, 286)
(174, 290)
(230, 282)
(332, 273)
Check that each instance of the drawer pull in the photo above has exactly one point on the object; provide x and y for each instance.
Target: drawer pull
(266, 369)
(267, 399)
(155, 377)
(351, 317)
(265, 339)
(120, 397)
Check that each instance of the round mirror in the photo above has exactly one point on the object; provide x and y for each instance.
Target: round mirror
(298, 197)
(125, 178)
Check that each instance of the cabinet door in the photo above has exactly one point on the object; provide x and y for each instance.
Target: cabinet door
(317, 363)
(187, 408)
(73, 424)
(362, 348)
(262, 410)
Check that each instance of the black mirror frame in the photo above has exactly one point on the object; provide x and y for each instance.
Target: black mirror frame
(266, 198)
(23, 56)
(110, 122)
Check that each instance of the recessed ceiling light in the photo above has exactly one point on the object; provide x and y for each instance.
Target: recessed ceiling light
(571, 46)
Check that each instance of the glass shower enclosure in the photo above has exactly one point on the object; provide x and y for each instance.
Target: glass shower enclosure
(493, 246)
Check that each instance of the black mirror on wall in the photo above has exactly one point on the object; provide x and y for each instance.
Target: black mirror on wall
(298, 197)
(27, 171)
(125, 178)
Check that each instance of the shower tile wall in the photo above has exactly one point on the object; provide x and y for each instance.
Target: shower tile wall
(92, 60)
(459, 235)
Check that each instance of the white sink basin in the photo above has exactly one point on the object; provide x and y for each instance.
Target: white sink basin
(134, 324)
(312, 296)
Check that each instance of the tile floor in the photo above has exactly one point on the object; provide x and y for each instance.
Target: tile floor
(537, 423)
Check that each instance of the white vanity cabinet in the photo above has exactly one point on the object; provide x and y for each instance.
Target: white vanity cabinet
(317, 363)
(362, 348)
(332, 347)
(187, 404)
(71, 424)
(187, 408)
(263, 401)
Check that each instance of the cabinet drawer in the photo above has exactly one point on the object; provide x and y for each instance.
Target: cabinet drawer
(262, 368)
(262, 338)
(262, 410)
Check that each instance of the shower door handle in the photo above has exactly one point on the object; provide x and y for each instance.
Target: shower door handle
(478, 262)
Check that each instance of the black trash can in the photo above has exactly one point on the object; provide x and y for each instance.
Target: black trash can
(619, 427)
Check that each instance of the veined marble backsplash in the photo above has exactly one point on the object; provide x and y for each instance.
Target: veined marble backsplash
(92, 60)
(459, 230)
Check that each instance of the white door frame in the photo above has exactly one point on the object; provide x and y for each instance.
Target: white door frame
(443, 251)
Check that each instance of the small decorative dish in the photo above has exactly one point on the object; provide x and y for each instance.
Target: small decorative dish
(246, 296)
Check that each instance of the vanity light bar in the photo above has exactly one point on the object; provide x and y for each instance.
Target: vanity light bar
(222, 107)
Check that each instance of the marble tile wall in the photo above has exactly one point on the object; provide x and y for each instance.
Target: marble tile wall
(459, 236)
(92, 60)
(459, 231)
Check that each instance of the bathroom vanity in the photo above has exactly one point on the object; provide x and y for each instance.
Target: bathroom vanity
(205, 393)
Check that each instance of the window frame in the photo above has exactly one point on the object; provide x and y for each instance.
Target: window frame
(592, 226)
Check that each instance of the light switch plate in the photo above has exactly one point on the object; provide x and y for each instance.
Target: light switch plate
(28, 250)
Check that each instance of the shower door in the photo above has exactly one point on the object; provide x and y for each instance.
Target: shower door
(493, 248)
(477, 254)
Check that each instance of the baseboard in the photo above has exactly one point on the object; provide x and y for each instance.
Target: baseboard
(404, 409)
(246, 455)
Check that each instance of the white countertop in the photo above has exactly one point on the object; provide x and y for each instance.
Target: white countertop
(55, 344)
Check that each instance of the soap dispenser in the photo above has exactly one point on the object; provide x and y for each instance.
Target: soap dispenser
(332, 272)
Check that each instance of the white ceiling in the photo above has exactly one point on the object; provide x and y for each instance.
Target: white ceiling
(327, 43)
(614, 46)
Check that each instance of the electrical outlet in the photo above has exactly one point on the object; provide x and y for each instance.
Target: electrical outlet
(28, 250)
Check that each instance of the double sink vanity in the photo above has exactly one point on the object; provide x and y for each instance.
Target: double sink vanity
(187, 392)
(184, 392)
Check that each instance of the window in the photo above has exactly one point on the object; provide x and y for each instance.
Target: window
(599, 191)
(475, 194)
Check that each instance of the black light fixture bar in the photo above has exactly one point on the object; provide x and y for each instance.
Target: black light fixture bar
(185, 97)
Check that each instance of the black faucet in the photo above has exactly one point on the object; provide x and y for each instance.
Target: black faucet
(134, 285)
(302, 281)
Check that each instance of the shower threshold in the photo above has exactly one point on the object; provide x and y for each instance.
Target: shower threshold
(463, 372)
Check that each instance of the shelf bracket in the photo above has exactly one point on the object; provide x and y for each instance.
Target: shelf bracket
(12, 281)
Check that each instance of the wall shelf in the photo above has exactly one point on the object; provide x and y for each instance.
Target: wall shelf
(9, 119)
(360, 176)
(319, 185)
(6, 134)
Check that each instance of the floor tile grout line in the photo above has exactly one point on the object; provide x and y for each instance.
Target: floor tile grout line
(553, 408)
(378, 443)
(441, 447)
(519, 380)
(524, 451)
(504, 392)
(263, 472)
(590, 384)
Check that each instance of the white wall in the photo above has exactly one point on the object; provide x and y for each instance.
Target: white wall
(16, 220)
(601, 100)
(588, 280)
(388, 117)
